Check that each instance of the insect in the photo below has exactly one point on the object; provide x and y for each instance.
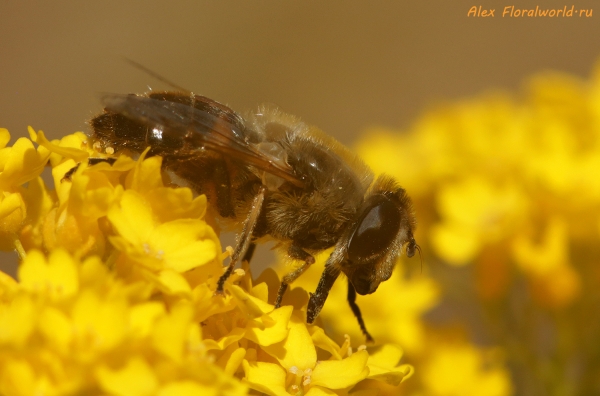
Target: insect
(269, 175)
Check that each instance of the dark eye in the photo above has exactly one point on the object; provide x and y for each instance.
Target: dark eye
(376, 229)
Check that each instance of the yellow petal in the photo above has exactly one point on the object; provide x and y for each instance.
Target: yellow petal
(147, 174)
(271, 328)
(93, 271)
(338, 374)
(134, 379)
(13, 214)
(57, 328)
(297, 350)
(382, 364)
(143, 316)
(233, 336)
(17, 320)
(252, 306)
(58, 278)
(92, 194)
(322, 341)
(261, 291)
(100, 322)
(63, 270)
(183, 243)
(187, 388)
(133, 220)
(4, 137)
(8, 286)
(231, 359)
(172, 282)
(477, 375)
(234, 361)
(170, 331)
(268, 378)
(318, 391)
(67, 152)
(39, 200)
(175, 203)
(22, 162)
(8, 204)
(387, 355)
(207, 304)
(18, 378)
(454, 243)
(547, 255)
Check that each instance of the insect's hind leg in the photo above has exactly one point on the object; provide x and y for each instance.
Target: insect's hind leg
(299, 254)
(356, 311)
(245, 238)
(91, 161)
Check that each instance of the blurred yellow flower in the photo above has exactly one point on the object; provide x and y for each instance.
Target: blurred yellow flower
(507, 193)
(475, 213)
(462, 370)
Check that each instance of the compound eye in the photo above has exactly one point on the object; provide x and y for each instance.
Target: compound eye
(376, 230)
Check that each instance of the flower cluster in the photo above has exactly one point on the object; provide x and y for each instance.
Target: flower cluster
(116, 291)
(507, 194)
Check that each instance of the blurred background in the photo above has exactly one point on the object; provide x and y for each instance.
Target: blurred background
(357, 69)
(341, 65)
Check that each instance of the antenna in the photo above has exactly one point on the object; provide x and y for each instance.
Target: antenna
(157, 76)
(420, 256)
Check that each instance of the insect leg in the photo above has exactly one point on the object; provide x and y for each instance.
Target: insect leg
(356, 310)
(244, 239)
(249, 252)
(317, 299)
(296, 253)
(91, 161)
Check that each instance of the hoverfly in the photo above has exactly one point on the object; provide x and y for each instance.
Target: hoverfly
(274, 177)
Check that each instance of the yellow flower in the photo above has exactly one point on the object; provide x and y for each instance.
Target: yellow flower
(21, 162)
(18, 165)
(555, 283)
(83, 331)
(116, 291)
(463, 370)
(475, 213)
(180, 245)
(300, 372)
(56, 279)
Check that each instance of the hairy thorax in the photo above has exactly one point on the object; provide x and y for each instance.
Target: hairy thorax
(315, 217)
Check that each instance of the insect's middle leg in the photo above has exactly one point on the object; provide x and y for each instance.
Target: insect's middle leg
(249, 253)
(356, 311)
(298, 253)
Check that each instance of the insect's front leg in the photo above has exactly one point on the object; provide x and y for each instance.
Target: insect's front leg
(317, 299)
(356, 311)
(245, 238)
(297, 253)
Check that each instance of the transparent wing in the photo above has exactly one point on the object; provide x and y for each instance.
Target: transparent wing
(203, 122)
